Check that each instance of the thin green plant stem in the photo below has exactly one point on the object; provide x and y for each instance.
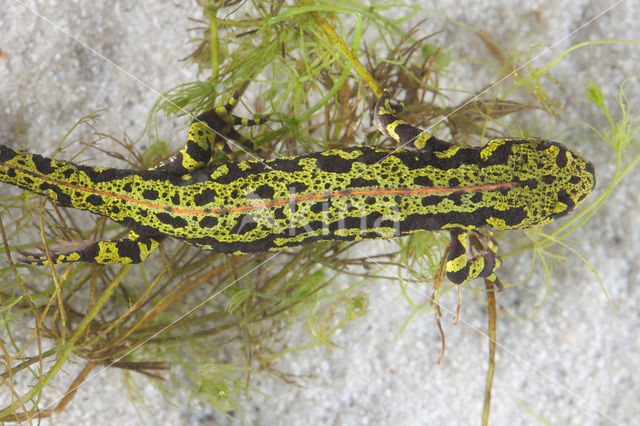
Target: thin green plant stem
(54, 276)
(493, 335)
(65, 351)
(342, 47)
(215, 48)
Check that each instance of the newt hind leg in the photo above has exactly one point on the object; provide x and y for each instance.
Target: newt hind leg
(209, 131)
(133, 248)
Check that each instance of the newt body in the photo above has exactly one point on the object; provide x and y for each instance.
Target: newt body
(346, 194)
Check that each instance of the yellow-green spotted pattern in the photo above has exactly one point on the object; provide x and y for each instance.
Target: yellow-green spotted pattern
(343, 194)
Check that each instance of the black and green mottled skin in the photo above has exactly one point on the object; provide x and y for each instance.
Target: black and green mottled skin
(545, 180)
(533, 165)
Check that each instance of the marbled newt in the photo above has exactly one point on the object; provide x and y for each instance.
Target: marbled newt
(355, 193)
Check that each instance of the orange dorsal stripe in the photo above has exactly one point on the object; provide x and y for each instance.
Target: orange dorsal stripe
(292, 199)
